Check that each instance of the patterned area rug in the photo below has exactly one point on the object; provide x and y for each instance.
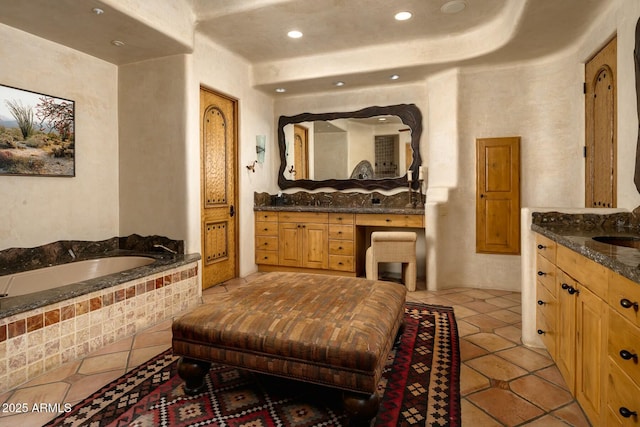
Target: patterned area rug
(420, 386)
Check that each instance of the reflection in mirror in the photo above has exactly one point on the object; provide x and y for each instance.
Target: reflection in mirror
(369, 148)
(347, 148)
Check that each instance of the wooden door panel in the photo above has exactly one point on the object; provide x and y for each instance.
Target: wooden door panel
(316, 253)
(290, 244)
(498, 195)
(216, 242)
(590, 353)
(218, 136)
(496, 234)
(566, 344)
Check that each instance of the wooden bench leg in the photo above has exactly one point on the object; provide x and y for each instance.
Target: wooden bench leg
(360, 408)
(193, 373)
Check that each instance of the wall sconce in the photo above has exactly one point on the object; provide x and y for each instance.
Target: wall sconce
(261, 142)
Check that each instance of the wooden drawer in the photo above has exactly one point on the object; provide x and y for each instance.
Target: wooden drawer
(383, 220)
(304, 217)
(340, 263)
(266, 216)
(264, 228)
(623, 336)
(547, 317)
(546, 247)
(267, 243)
(267, 257)
(590, 274)
(344, 232)
(624, 292)
(621, 393)
(546, 274)
(547, 331)
(341, 218)
(341, 247)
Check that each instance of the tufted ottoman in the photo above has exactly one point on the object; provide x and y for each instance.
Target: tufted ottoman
(328, 330)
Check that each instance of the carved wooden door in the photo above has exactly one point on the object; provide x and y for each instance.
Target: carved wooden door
(218, 136)
(601, 128)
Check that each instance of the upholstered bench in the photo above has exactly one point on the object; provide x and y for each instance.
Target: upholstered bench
(328, 330)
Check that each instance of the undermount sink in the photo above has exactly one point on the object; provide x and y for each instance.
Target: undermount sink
(627, 241)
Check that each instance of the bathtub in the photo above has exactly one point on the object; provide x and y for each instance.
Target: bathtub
(43, 279)
(54, 315)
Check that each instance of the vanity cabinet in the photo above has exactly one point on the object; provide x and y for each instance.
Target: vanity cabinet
(325, 242)
(572, 321)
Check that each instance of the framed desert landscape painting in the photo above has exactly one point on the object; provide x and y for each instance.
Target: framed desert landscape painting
(37, 134)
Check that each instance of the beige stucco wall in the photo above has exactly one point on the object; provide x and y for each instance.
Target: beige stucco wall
(152, 161)
(38, 210)
(218, 69)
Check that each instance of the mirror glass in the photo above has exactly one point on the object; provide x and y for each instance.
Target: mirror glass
(369, 148)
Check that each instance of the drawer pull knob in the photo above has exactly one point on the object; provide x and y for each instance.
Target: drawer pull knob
(627, 355)
(540, 302)
(541, 332)
(542, 247)
(564, 286)
(541, 273)
(572, 290)
(628, 304)
(627, 413)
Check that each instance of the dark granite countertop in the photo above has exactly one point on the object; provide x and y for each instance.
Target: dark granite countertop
(577, 234)
(164, 261)
(338, 209)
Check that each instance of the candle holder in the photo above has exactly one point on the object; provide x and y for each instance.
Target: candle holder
(412, 202)
(422, 201)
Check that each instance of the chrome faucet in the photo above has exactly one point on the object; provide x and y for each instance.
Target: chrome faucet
(165, 248)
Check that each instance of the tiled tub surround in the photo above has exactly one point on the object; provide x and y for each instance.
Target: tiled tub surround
(36, 341)
(340, 202)
(41, 331)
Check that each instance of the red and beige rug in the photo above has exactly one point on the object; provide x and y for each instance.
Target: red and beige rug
(420, 386)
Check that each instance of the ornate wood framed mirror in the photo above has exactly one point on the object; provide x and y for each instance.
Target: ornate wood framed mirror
(372, 148)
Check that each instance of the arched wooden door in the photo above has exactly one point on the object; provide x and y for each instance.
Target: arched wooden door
(218, 142)
(601, 128)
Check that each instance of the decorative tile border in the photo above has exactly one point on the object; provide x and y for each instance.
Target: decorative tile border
(37, 341)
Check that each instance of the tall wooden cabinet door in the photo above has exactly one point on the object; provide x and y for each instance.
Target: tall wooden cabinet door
(601, 128)
(591, 353)
(290, 244)
(315, 249)
(498, 195)
(566, 344)
(218, 137)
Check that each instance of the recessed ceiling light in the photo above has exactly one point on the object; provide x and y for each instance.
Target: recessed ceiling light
(338, 84)
(394, 77)
(453, 6)
(403, 16)
(117, 43)
(280, 90)
(294, 34)
(97, 11)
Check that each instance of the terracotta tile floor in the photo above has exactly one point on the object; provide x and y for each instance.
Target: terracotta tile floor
(503, 383)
